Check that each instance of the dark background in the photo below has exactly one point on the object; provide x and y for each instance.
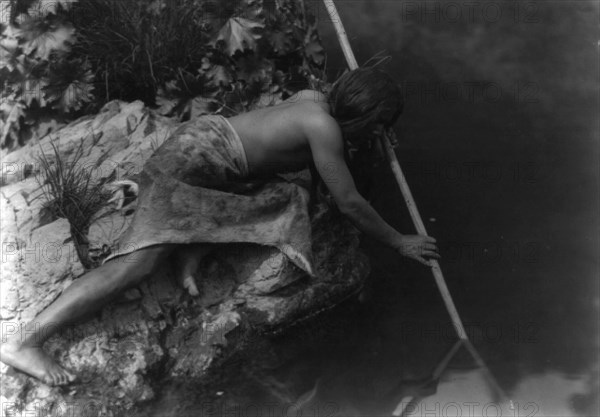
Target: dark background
(499, 142)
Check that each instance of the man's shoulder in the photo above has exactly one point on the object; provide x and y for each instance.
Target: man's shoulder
(322, 131)
(311, 109)
(308, 96)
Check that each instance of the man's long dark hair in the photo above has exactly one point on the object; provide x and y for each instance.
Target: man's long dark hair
(362, 97)
(359, 99)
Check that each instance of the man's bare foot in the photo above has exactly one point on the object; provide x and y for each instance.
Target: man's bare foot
(35, 362)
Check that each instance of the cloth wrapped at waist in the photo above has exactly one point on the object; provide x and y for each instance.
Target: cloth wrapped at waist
(195, 189)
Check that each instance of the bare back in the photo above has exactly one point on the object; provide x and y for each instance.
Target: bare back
(274, 138)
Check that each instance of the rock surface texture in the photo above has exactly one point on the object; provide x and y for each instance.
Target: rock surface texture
(155, 350)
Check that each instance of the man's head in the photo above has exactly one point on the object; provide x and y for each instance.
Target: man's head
(364, 99)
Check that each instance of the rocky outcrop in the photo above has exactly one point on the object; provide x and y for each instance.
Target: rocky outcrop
(156, 350)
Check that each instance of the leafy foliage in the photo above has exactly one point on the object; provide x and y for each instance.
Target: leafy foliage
(186, 57)
(37, 70)
(239, 34)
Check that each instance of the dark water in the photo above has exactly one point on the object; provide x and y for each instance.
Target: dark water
(500, 144)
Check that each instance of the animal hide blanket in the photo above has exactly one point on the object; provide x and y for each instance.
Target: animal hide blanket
(195, 189)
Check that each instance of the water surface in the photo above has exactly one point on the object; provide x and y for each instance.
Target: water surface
(499, 142)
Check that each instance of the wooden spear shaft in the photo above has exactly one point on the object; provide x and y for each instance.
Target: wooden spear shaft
(412, 207)
(404, 188)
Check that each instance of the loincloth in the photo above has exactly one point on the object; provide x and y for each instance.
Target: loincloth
(195, 189)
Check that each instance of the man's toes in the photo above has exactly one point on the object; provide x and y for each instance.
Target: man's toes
(67, 377)
(57, 378)
(62, 378)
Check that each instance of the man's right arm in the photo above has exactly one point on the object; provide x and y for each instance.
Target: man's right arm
(327, 147)
(325, 139)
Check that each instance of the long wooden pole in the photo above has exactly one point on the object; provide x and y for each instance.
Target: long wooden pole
(412, 207)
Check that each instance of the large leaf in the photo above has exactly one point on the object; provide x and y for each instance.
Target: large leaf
(75, 95)
(239, 34)
(189, 94)
(188, 85)
(41, 40)
(70, 87)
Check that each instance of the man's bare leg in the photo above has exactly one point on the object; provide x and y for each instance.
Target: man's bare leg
(84, 296)
(186, 260)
